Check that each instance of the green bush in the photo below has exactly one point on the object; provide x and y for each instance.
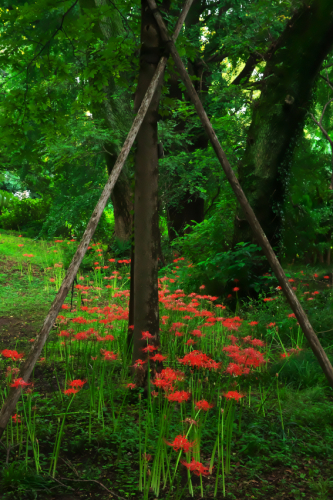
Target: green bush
(25, 214)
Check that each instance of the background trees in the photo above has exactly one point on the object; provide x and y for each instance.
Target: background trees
(68, 77)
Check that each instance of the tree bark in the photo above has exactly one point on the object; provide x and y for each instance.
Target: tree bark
(278, 117)
(146, 222)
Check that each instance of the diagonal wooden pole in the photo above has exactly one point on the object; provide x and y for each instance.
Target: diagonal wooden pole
(250, 215)
(26, 369)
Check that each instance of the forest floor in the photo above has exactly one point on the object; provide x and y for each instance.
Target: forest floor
(108, 441)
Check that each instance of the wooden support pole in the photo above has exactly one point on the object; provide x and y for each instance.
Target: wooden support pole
(26, 369)
(250, 215)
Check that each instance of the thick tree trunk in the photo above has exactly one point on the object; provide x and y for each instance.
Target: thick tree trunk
(146, 221)
(279, 115)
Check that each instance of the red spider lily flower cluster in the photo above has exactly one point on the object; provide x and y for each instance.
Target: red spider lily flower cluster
(203, 405)
(146, 336)
(158, 357)
(244, 358)
(149, 348)
(167, 377)
(77, 383)
(74, 386)
(232, 323)
(131, 386)
(14, 355)
(233, 395)
(19, 382)
(179, 396)
(196, 467)
(139, 364)
(16, 419)
(181, 443)
(199, 360)
(197, 333)
(70, 391)
(109, 355)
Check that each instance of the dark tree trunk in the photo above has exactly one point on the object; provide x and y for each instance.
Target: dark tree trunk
(146, 221)
(122, 200)
(279, 116)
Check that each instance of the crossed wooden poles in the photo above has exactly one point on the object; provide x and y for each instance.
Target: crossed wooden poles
(26, 369)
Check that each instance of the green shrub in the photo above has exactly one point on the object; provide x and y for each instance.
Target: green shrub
(25, 214)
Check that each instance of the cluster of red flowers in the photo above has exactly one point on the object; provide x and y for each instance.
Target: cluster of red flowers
(196, 467)
(167, 378)
(14, 355)
(181, 443)
(198, 359)
(74, 386)
(244, 358)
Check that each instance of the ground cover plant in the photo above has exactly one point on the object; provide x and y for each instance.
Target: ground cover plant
(236, 405)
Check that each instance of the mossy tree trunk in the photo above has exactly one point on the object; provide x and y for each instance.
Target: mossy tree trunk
(278, 117)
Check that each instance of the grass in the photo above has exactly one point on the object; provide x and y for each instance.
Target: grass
(108, 440)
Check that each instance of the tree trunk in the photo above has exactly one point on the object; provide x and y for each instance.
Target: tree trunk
(122, 200)
(146, 221)
(278, 117)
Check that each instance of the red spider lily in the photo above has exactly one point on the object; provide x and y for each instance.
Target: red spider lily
(203, 405)
(197, 333)
(146, 335)
(64, 333)
(70, 391)
(19, 382)
(190, 342)
(178, 334)
(257, 342)
(181, 443)
(20, 245)
(172, 375)
(139, 363)
(65, 306)
(16, 418)
(80, 336)
(179, 396)
(292, 315)
(236, 370)
(231, 323)
(131, 386)
(198, 359)
(154, 394)
(233, 395)
(76, 383)
(164, 384)
(236, 289)
(196, 467)
(326, 277)
(231, 348)
(253, 323)
(109, 355)
(158, 357)
(270, 325)
(14, 355)
(149, 348)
